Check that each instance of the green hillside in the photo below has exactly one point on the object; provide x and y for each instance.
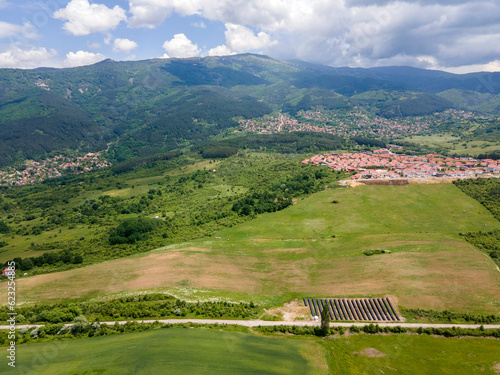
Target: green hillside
(151, 106)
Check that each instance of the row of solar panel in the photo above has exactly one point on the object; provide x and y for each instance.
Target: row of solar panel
(371, 309)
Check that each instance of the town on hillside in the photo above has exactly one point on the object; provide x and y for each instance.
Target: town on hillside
(384, 164)
(56, 166)
(353, 123)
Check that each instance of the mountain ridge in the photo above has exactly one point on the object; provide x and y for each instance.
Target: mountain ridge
(159, 104)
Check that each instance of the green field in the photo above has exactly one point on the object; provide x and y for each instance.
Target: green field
(211, 351)
(411, 354)
(315, 248)
(171, 351)
(454, 144)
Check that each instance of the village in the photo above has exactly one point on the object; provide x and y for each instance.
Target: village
(384, 164)
(350, 124)
(56, 166)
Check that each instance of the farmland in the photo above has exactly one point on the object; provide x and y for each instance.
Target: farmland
(234, 350)
(411, 354)
(318, 252)
(171, 351)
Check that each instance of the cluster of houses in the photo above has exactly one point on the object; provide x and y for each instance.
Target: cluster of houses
(356, 123)
(57, 166)
(383, 164)
(349, 124)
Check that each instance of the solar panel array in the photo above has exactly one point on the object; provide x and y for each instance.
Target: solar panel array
(354, 309)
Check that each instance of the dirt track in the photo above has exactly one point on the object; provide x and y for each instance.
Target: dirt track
(256, 323)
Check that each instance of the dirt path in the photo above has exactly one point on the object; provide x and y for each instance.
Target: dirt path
(256, 323)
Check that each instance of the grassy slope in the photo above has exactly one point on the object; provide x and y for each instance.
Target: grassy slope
(171, 351)
(292, 252)
(454, 144)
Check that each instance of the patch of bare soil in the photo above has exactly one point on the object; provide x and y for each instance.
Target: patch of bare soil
(398, 182)
(431, 181)
(291, 311)
(496, 368)
(197, 269)
(296, 251)
(370, 353)
(196, 249)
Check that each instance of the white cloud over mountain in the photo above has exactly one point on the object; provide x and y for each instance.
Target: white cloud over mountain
(220, 51)
(241, 38)
(26, 57)
(81, 58)
(348, 32)
(181, 46)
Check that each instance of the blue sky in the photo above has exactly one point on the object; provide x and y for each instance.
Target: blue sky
(458, 36)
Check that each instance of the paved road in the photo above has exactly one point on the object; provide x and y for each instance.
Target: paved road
(256, 323)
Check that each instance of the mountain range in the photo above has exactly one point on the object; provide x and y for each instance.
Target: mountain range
(153, 106)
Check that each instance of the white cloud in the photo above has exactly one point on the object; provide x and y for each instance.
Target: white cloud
(80, 58)
(241, 38)
(147, 13)
(8, 29)
(200, 25)
(492, 66)
(25, 31)
(220, 51)
(108, 39)
(348, 32)
(124, 45)
(94, 45)
(27, 58)
(180, 46)
(84, 18)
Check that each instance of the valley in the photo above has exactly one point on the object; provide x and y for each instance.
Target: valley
(209, 189)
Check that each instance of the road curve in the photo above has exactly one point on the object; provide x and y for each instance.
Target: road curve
(256, 323)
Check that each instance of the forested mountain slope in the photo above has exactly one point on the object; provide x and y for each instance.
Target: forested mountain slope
(145, 107)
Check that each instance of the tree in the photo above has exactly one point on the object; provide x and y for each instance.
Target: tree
(4, 228)
(325, 319)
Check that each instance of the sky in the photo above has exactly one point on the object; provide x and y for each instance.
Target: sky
(458, 36)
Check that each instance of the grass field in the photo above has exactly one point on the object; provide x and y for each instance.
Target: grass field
(454, 144)
(211, 351)
(294, 253)
(172, 351)
(411, 354)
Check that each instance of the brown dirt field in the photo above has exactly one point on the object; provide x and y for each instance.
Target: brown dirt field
(496, 368)
(437, 281)
(460, 280)
(402, 181)
(370, 353)
(291, 311)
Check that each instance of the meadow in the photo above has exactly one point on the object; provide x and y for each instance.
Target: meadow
(454, 144)
(172, 351)
(315, 248)
(238, 351)
(413, 354)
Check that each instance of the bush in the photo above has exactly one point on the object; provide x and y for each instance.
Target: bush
(375, 252)
(132, 230)
(4, 228)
